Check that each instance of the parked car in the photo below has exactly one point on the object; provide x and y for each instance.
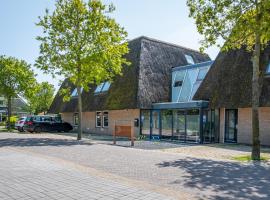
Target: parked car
(46, 123)
(19, 125)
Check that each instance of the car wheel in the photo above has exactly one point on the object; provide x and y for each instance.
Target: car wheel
(37, 129)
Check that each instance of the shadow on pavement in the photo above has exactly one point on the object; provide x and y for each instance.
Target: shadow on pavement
(234, 180)
(24, 142)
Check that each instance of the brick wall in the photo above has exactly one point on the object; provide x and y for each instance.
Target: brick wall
(245, 125)
(89, 120)
(244, 128)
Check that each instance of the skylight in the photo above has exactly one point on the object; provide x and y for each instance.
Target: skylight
(189, 59)
(75, 92)
(103, 87)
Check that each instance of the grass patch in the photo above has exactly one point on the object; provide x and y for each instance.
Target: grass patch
(247, 158)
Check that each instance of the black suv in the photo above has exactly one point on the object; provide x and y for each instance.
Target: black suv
(46, 123)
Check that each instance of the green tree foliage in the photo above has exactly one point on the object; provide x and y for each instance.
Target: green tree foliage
(82, 43)
(42, 98)
(242, 24)
(16, 79)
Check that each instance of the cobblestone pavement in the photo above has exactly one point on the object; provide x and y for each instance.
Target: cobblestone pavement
(162, 172)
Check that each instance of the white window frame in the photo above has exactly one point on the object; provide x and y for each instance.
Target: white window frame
(103, 116)
(100, 119)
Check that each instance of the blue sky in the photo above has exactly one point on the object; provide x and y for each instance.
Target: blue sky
(163, 20)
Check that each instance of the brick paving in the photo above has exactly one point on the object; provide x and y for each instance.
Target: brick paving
(25, 176)
(182, 176)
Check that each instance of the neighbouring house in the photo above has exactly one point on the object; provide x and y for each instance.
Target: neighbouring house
(132, 97)
(228, 88)
(18, 106)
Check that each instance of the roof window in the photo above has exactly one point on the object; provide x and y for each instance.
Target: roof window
(75, 92)
(103, 87)
(189, 59)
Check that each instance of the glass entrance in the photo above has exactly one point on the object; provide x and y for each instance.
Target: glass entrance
(179, 123)
(193, 126)
(155, 123)
(145, 122)
(166, 124)
(231, 120)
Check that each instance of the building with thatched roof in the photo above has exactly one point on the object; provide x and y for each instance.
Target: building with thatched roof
(145, 82)
(228, 88)
(18, 106)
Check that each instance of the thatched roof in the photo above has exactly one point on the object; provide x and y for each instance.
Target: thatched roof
(145, 81)
(229, 81)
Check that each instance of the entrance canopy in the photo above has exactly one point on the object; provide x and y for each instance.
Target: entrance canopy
(181, 105)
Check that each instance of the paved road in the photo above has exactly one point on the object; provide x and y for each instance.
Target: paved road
(154, 172)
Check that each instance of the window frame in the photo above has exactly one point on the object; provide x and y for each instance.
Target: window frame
(103, 117)
(100, 119)
(101, 87)
(75, 115)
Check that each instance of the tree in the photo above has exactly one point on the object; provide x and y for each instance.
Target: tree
(16, 79)
(42, 98)
(83, 43)
(242, 24)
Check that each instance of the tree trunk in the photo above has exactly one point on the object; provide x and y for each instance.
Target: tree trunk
(79, 137)
(256, 92)
(9, 114)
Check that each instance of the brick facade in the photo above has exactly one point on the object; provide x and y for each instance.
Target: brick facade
(126, 116)
(244, 127)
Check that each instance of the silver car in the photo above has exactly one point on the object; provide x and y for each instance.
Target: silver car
(20, 124)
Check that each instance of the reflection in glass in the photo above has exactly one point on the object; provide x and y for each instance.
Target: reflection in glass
(190, 79)
(155, 120)
(166, 119)
(145, 122)
(179, 125)
(193, 125)
(176, 88)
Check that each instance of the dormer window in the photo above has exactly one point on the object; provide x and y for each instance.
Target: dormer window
(189, 59)
(103, 87)
(75, 92)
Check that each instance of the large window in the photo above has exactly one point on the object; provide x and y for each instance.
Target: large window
(105, 119)
(166, 123)
(103, 87)
(193, 126)
(98, 119)
(76, 119)
(186, 81)
(178, 78)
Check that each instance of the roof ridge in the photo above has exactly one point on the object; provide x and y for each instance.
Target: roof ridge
(167, 43)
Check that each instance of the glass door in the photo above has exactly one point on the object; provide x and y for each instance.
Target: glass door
(231, 119)
(155, 124)
(179, 123)
(166, 124)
